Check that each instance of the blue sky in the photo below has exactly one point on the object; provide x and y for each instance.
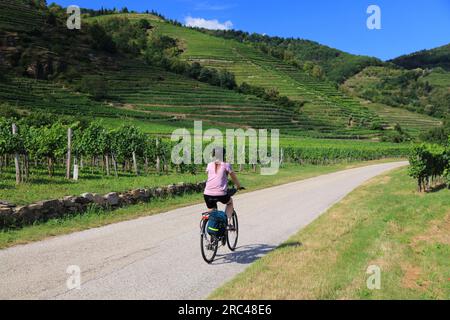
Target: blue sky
(406, 25)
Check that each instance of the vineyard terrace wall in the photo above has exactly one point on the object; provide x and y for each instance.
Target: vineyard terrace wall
(12, 216)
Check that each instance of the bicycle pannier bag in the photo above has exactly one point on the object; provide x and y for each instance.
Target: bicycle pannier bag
(217, 223)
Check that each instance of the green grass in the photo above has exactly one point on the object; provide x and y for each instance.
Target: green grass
(384, 223)
(42, 187)
(94, 219)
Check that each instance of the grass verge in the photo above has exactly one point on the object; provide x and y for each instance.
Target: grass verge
(92, 219)
(384, 223)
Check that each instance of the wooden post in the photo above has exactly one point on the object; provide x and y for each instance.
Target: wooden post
(69, 152)
(16, 157)
(158, 160)
(107, 164)
(75, 169)
(114, 165)
(135, 167)
(146, 164)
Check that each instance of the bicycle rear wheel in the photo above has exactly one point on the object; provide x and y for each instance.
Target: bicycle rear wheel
(233, 235)
(208, 244)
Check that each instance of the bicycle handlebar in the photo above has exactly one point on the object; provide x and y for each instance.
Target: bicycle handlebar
(233, 191)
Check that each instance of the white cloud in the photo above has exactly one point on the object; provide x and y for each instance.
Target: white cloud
(208, 24)
(206, 6)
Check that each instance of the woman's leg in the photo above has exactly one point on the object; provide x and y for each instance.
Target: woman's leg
(229, 210)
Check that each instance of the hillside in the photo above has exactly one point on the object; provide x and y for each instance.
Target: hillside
(339, 115)
(420, 91)
(101, 72)
(426, 59)
(148, 96)
(318, 60)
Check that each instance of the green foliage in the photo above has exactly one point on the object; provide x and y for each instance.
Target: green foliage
(101, 40)
(414, 90)
(317, 60)
(271, 95)
(434, 58)
(437, 135)
(396, 136)
(127, 36)
(323, 155)
(126, 140)
(428, 162)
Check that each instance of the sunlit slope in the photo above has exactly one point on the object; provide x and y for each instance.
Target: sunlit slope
(326, 109)
(18, 15)
(414, 123)
(150, 95)
(151, 90)
(326, 112)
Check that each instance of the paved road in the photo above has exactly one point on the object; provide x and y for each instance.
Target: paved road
(158, 257)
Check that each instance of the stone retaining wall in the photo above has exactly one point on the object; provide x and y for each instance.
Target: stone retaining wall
(18, 216)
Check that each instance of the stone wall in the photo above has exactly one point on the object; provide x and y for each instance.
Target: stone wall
(17, 216)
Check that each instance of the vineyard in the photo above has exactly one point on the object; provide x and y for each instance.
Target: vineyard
(326, 112)
(33, 144)
(430, 166)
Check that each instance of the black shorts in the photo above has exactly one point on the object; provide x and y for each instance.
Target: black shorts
(211, 201)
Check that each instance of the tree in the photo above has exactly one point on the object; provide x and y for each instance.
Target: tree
(101, 40)
(49, 143)
(144, 24)
(127, 143)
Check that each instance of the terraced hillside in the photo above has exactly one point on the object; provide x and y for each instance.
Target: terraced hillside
(150, 95)
(326, 110)
(412, 122)
(397, 92)
(18, 15)
(151, 90)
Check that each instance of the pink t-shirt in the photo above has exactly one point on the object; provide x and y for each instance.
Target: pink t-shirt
(217, 184)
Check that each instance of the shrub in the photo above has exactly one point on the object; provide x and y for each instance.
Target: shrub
(428, 164)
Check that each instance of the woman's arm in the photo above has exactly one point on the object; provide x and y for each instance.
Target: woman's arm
(235, 180)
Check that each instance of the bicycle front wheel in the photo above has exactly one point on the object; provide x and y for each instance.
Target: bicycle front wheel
(233, 235)
(208, 245)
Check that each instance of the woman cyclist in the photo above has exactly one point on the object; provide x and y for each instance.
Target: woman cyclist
(216, 189)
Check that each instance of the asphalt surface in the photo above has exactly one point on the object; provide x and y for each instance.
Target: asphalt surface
(158, 257)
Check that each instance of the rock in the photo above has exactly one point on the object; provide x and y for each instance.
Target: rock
(5, 210)
(112, 198)
(50, 204)
(98, 199)
(6, 204)
(147, 194)
(6, 217)
(72, 204)
(89, 196)
(24, 215)
(159, 192)
(125, 199)
(171, 189)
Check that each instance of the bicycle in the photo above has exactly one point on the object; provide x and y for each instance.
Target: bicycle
(210, 244)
